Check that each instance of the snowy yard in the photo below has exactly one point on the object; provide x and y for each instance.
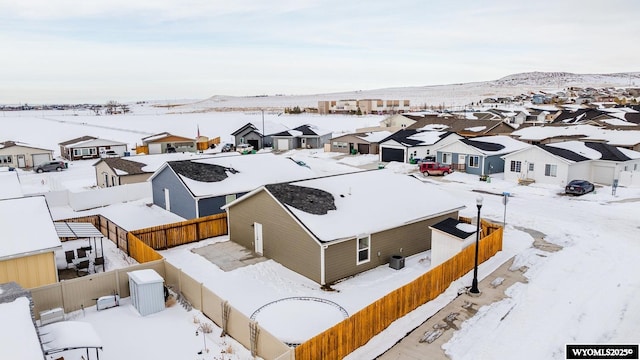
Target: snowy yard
(585, 293)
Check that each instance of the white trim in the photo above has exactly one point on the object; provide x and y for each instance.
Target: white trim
(358, 250)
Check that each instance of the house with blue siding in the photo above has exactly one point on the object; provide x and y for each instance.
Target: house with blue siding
(199, 187)
(301, 137)
(480, 155)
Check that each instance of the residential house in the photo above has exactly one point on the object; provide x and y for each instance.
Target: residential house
(89, 147)
(199, 187)
(480, 155)
(407, 144)
(132, 169)
(167, 143)
(559, 163)
(20, 155)
(362, 143)
(462, 126)
(303, 136)
(252, 134)
(27, 249)
(333, 227)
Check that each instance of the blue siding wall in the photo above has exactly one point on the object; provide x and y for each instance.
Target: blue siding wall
(182, 203)
(494, 164)
(210, 206)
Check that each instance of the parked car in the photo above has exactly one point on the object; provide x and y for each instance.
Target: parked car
(227, 147)
(578, 187)
(434, 168)
(50, 166)
(244, 148)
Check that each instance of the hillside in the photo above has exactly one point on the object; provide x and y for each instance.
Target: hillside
(453, 95)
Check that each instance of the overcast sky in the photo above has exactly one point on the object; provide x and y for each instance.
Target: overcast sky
(126, 50)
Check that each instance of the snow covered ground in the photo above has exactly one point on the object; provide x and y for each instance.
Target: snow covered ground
(585, 293)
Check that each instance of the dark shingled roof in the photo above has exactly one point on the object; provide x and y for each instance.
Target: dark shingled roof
(77, 140)
(309, 200)
(608, 152)
(563, 153)
(486, 146)
(402, 136)
(200, 172)
(129, 166)
(448, 225)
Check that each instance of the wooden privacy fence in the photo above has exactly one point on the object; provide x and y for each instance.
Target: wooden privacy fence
(184, 232)
(345, 337)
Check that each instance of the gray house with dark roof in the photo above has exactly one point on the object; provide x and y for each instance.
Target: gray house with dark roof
(200, 187)
(559, 163)
(303, 136)
(333, 227)
(479, 155)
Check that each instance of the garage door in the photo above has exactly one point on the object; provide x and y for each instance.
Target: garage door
(254, 143)
(40, 159)
(389, 154)
(283, 144)
(603, 174)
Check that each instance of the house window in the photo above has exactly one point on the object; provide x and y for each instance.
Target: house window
(550, 170)
(446, 158)
(364, 249)
(340, 145)
(530, 166)
(635, 167)
(84, 152)
(516, 166)
(5, 159)
(474, 161)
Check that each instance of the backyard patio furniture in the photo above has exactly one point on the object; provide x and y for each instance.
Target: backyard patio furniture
(70, 256)
(99, 261)
(82, 266)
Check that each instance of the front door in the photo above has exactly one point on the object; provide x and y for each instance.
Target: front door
(21, 162)
(257, 235)
(461, 162)
(303, 143)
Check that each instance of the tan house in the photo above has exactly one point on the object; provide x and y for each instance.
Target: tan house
(168, 143)
(21, 155)
(333, 227)
(27, 252)
(361, 143)
(132, 169)
(90, 147)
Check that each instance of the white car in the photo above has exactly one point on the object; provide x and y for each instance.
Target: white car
(244, 148)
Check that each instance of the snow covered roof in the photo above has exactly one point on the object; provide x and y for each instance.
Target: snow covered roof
(69, 335)
(76, 230)
(593, 150)
(455, 227)
(304, 130)
(11, 187)
(94, 143)
(160, 136)
(428, 137)
(19, 338)
(537, 133)
(224, 175)
(26, 227)
(8, 144)
(495, 145)
(374, 137)
(146, 276)
(338, 201)
(140, 164)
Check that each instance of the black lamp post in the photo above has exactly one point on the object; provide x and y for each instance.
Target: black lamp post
(262, 110)
(474, 285)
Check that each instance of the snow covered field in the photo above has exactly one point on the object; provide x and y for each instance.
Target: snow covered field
(585, 293)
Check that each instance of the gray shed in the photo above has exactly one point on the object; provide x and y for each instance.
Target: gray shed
(147, 291)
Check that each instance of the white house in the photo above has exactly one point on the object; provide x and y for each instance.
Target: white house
(559, 163)
(407, 144)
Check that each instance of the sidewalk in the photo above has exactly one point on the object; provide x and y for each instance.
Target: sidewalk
(425, 342)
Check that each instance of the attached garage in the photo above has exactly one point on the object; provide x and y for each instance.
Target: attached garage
(40, 158)
(603, 174)
(283, 144)
(391, 154)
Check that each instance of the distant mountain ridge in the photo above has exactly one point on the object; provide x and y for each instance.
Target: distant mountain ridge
(453, 95)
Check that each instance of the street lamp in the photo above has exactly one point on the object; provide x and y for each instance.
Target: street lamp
(262, 127)
(474, 285)
(202, 329)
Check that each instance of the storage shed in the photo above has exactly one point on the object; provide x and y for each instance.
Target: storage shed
(147, 291)
(448, 238)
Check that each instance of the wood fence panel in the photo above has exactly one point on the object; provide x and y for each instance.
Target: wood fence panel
(141, 251)
(352, 333)
(184, 232)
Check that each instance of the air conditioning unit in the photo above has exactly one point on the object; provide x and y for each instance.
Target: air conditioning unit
(51, 316)
(109, 301)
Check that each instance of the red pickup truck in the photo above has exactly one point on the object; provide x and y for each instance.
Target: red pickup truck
(434, 168)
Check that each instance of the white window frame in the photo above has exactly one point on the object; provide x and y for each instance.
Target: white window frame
(366, 249)
(515, 166)
(531, 166)
(550, 170)
(471, 161)
(446, 158)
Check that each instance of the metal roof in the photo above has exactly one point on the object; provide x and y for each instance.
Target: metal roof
(77, 230)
